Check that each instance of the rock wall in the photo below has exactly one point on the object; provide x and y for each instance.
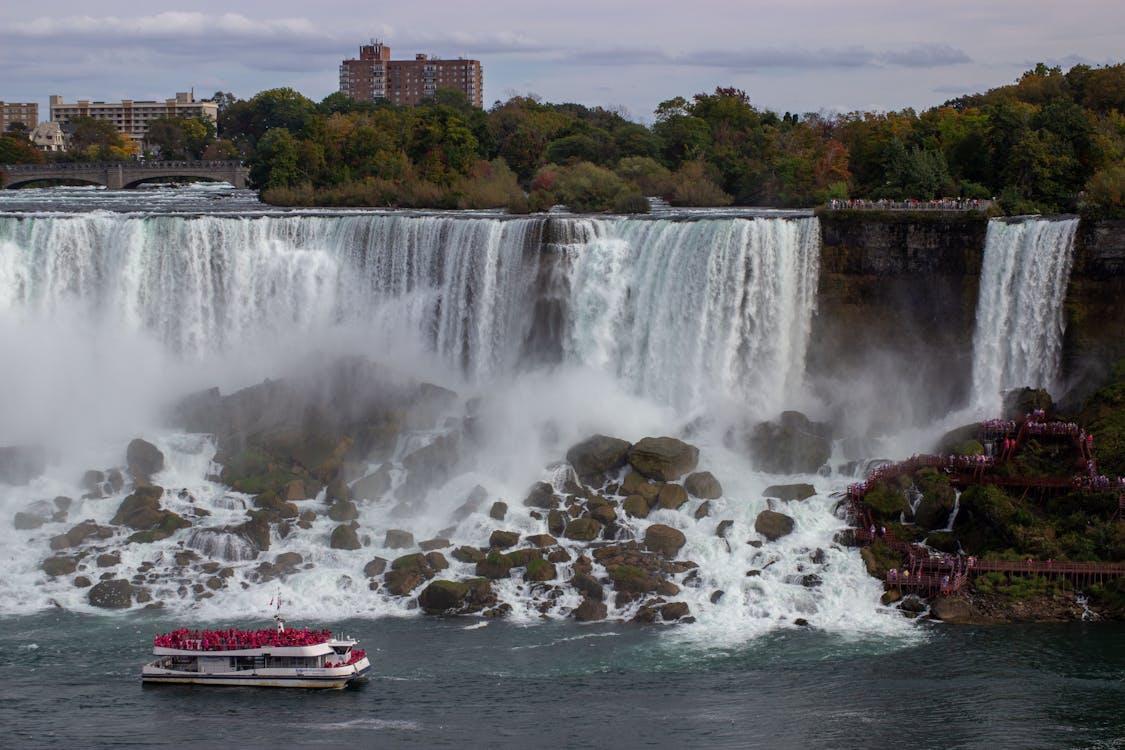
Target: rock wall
(897, 302)
(1095, 306)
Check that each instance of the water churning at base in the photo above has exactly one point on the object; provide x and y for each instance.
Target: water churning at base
(1020, 324)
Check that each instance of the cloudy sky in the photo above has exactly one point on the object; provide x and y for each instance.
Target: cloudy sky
(789, 55)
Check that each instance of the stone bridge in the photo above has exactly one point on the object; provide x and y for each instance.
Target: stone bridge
(124, 174)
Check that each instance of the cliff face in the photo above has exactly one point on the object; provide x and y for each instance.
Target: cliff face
(898, 296)
(897, 304)
(1095, 306)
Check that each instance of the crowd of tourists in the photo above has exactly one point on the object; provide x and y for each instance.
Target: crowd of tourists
(911, 204)
(354, 656)
(233, 638)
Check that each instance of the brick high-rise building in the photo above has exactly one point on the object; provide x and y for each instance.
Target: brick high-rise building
(11, 112)
(376, 77)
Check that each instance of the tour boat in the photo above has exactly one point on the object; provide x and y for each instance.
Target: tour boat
(266, 658)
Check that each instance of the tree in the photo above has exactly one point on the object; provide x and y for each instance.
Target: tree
(98, 140)
(16, 149)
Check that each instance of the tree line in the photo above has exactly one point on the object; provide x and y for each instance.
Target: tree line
(1050, 142)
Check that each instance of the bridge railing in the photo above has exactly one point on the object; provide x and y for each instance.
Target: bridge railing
(103, 165)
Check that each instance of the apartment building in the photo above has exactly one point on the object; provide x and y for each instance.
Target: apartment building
(376, 77)
(132, 117)
(11, 112)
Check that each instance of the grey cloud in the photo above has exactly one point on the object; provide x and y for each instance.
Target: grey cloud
(853, 56)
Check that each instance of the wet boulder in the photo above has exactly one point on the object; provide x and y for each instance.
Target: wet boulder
(456, 597)
(116, 593)
(673, 611)
(773, 525)
(344, 536)
(144, 459)
(373, 486)
(498, 511)
(398, 539)
(500, 539)
(343, 510)
(636, 506)
(141, 510)
(541, 495)
(583, 529)
(788, 492)
(671, 497)
(375, 567)
(664, 459)
(702, 484)
(494, 565)
(792, 444)
(590, 610)
(597, 455)
(59, 566)
(664, 540)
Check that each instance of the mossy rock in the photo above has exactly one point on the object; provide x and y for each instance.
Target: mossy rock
(633, 580)
(590, 610)
(521, 557)
(115, 593)
(541, 495)
(583, 529)
(887, 501)
(938, 499)
(456, 597)
(468, 554)
(540, 570)
(588, 586)
(494, 565)
(1023, 401)
(414, 561)
(556, 522)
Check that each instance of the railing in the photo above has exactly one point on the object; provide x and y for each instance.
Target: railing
(138, 164)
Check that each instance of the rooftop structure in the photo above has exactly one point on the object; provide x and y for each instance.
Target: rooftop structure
(132, 117)
(376, 77)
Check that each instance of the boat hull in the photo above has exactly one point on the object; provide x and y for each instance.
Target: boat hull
(155, 675)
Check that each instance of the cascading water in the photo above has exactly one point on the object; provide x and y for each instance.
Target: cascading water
(639, 321)
(1018, 339)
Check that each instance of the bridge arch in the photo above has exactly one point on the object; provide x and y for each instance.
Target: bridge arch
(127, 174)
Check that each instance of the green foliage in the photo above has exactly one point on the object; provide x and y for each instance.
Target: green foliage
(647, 174)
(16, 149)
(586, 187)
(180, 137)
(1019, 587)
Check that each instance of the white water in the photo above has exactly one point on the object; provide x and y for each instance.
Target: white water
(1020, 323)
(110, 315)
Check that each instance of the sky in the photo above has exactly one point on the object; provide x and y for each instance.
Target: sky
(630, 55)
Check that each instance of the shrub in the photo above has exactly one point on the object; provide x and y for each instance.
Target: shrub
(692, 186)
(631, 202)
(650, 176)
(586, 187)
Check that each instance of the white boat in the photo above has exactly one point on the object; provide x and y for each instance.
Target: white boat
(266, 658)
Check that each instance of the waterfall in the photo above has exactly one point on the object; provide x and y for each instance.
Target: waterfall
(679, 310)
(685, 311)
(1019, 328)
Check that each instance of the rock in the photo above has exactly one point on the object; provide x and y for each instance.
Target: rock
(540, 570)
(673, 611)
(402, 582)
(542, 540)
(633, 580)
(494, 565)
(256, 531)
(664, 459)
(556, 522)
(583, 529)
(19, 464)
(59, 566)
(773, 525)
(116, 593)
(703, 510)
(456, 597)
(723, 528)
(468, 554)
(503, 539)
(588, 586)
(434, 544)
(27, 521)
(937, 501)
(141, 510)
(109, 559)
(664, 540)
(144, 459)
(889, 597)
(344, 537)
(597, 455)
(671, 497)
(436, 560)
(636, 506)
(590, 611)
(541, 495)
(337, 491)
(1021, 401)
(791, 445)
(288, 561)
(398, 539)
(375, 567)
(702, 484)
(343, 510)
(952, 609)
(787, 492)
(92, 481)
(717, 596)
(373, 486)
(295, 491)
(82, 582)
(498, 510)
(602, 512)
(429, 466)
